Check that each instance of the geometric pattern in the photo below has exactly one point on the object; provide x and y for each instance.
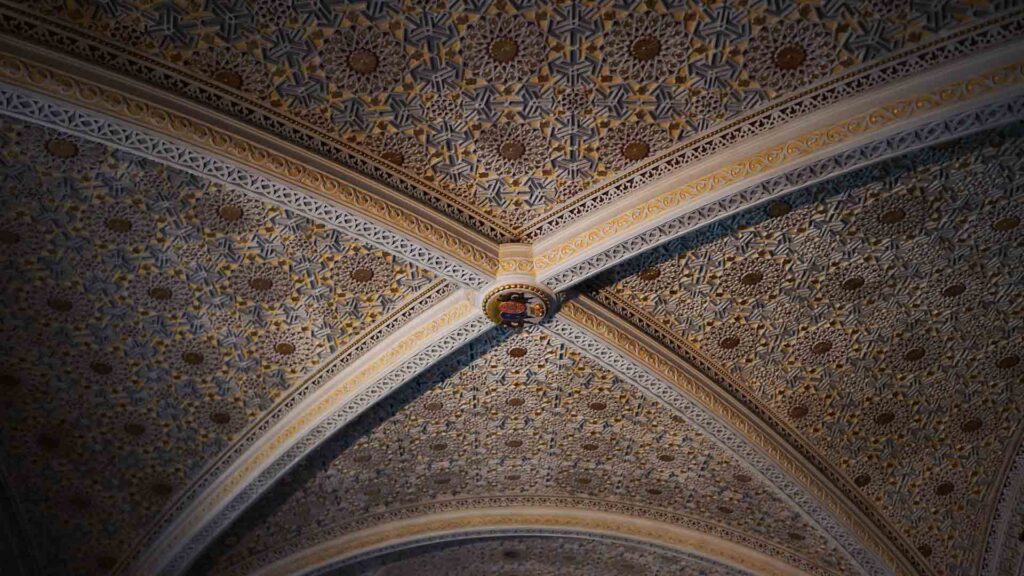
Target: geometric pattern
(511, 418)
(150, 318)
(418, 88)
(876, 319)
(164, 311)
(552, 556)
(956, 125)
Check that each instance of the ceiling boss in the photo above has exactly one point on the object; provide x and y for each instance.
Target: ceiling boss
(516, 305)
(516, 298)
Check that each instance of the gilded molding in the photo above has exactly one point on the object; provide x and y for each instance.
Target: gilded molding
(776, 157)
(516, 259)
(516, 266)
(596, 320)
(537, 520)
(18, 69)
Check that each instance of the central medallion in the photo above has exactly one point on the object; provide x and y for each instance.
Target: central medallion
(504, 50)
(516, 305)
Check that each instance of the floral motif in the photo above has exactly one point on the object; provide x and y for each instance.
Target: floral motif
(263, 282)
(58, 152)
(152, 492)
(511, 150)
(967, 424)
(127, 341)
(522, 350)
(234, 69)
(1004, 362)
(434, 408)
(594, 446)
(852, 282)
(360, 273)
(118, 224)
(287, 348)
(469, 423)
(363, 60)
(231, 212)
(59, 305)
(629, 143)
(503, 49)
(888, 344)
(790, 55)
(898, 214)
(588, 481)
(655, 274)
(752, 278)
(946, 485)
(730, 341)
(102, 369)
(194, 358)
(1003, 224)
(884, 418)
(511, 400)
(599, 404)
(224, 417)
(399, 150)
(132, 426)
(823, 346)
(161, 293)
(955, 289)
(648, 47)
(19, 239)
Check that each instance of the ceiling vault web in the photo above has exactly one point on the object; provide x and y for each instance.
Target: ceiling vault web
(454, 264)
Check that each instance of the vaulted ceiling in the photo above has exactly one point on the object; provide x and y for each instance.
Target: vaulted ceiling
(252, 252)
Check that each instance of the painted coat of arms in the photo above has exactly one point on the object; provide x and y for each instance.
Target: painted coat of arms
(515, 307)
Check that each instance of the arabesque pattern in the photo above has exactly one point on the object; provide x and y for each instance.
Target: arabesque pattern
(603, 89)
(150, 317)
(515, 418)
(246, 248)
(876, 318)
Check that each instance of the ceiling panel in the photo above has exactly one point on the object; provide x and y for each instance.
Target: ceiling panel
(150, 317)
(520, 419)
(876, 320)
(517, 116)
